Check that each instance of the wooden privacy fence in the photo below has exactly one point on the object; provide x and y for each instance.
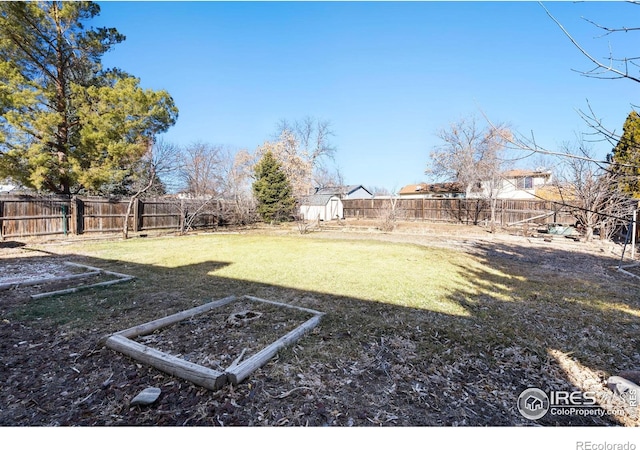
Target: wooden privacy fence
(456, 210)
(24, 216)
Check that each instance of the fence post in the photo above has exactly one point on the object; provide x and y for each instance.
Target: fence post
(73, 219)
(65, 219)
(182, 216)
(137, 216)
(633, 234)
(1, 220)
(77, 215)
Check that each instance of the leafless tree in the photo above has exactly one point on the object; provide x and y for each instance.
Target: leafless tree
(239, 206)
(200, 169)
(585, 184)
(611, 67)
(472, 156)
(591, 192)
(379, 190)
(588, 185)
(313, 136)
(327, 177)
(304, 149)
(390, 213)
(158, 165)
(202, 182)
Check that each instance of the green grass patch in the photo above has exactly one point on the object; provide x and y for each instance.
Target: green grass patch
(397, 274)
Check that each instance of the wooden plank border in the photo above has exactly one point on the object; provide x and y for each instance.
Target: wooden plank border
(120, 278)
(200, 375)
(150, 327)
(33, 282)
(628, 266)
(238, 371)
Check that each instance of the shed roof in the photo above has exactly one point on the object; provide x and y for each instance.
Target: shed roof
(318, 199)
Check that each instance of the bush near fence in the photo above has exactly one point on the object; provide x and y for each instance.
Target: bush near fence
(26, 216)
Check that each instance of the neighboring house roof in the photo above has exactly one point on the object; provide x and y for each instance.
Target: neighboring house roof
(518, 173)
(341, 190)
(555, 193)
(435, 188)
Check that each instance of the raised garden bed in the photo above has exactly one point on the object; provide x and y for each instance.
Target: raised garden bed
(206, 345)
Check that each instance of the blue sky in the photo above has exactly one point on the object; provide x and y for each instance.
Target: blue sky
(387, 75)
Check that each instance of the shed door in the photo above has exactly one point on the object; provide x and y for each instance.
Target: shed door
(333, 209)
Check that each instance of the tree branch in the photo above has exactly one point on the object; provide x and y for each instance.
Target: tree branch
(599, 65)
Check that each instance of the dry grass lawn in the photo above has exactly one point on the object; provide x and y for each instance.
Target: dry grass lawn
(421, 329)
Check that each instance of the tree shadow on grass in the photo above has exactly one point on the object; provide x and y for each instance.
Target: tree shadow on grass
(368, 363)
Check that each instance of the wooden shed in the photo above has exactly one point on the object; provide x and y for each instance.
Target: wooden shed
(323, 207)
(326, 203)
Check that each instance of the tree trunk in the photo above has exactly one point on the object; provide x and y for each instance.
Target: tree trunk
(588, 233)
(125, 227)
(494, 206)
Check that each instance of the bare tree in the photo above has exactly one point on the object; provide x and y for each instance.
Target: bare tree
(200, 170)
(202, 178)
(326, 177)
(304, 149)
(592, 193)
(390, 213)
(313, 137)
(239, 207)
(472, 156)
(160, 161)
(611, 67)
(590, 187)
(379, 190)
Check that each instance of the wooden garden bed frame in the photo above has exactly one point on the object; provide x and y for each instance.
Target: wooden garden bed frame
(123, 342)
(629, 266)
(91, 272)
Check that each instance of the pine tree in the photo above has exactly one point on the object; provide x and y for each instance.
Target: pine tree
(272, 190)
(626, 156)
(66, 123)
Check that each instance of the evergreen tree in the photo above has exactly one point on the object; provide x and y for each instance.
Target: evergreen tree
(66, 124)
(626, 157)
(272, 190)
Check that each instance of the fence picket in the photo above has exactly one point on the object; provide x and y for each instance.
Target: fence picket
(24, 216)
(455, 210)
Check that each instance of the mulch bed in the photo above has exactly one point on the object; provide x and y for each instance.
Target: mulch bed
(229, 333)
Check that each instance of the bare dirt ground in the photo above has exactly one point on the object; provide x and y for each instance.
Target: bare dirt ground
(54, 375)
